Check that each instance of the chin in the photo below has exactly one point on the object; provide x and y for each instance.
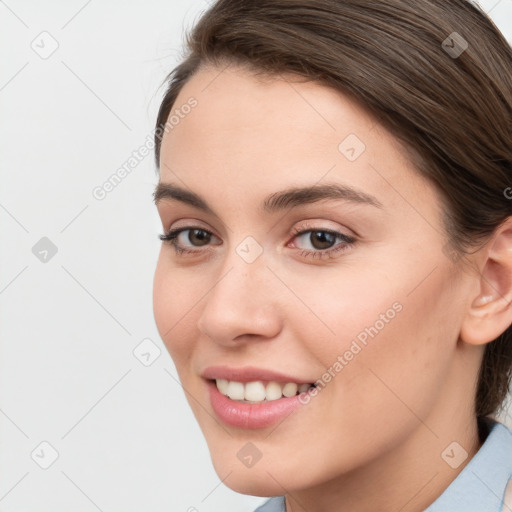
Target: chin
(253, 481)
(263, 478)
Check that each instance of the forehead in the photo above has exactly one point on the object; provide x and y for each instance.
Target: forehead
(247, 131)
(234, 102)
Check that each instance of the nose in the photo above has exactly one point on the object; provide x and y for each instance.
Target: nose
(241, 305)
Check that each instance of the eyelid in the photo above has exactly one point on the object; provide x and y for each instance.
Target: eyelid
(320, 225)
(308, 226)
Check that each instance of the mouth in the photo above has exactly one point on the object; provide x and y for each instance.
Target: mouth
(259, 391)
(249, 397)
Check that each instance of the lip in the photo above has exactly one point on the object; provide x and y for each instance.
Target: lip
(250, 416)
(245, 415)
(249, 374)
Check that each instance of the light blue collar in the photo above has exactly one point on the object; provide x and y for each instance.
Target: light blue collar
(479, 487)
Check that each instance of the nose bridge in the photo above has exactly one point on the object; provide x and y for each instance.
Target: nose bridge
(240, 301)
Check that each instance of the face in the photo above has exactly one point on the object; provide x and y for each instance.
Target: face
(342, 281)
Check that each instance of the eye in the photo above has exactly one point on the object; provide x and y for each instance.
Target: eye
(321, 242)
(179, 239)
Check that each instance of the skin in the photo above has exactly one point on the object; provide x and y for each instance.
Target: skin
(388, 415)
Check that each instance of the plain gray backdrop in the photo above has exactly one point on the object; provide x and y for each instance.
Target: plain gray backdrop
(91, 415)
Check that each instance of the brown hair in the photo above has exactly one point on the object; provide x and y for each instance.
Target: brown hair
(452, 111)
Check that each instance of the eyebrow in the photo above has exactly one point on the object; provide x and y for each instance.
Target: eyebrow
(289, 198)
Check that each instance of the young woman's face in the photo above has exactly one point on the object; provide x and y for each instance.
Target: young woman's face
(349, 286)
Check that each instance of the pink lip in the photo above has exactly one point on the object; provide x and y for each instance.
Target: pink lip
(250, 416)
(250, 374)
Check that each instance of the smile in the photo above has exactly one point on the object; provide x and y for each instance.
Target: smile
(258, 391)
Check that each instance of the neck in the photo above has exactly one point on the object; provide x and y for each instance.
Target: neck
(406, 478)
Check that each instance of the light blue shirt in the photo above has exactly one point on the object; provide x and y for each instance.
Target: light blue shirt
(480, 487)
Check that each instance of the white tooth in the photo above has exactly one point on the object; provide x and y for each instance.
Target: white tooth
(303, 387)
(222, 386)
(235, 390)
(254, 391)
(290, 389)
(273, 391)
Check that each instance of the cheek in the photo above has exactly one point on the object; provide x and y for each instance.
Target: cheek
(398, 348)
(346, 315)
(172, 308)
(382, 337)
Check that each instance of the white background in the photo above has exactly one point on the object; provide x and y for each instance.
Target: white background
(125, 437)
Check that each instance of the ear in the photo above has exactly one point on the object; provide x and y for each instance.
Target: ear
(490, 312)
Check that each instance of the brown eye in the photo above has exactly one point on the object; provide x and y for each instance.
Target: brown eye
(186, 240)
(198, 237)
(322, 239)
(321, 243)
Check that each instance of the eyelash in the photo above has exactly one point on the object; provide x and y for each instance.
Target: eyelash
(171, 237)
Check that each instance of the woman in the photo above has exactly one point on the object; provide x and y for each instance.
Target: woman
(335, 281)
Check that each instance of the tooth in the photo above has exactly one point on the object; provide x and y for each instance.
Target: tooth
(254, 391)
(222, 386)
(303, 387)
(290, 389)
(235, 390)
(273, 391)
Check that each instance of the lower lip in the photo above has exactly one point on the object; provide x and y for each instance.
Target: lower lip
(243, 415)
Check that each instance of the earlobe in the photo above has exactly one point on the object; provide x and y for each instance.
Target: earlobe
(490, 312)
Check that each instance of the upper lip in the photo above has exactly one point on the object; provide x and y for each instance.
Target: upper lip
(249, 374)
